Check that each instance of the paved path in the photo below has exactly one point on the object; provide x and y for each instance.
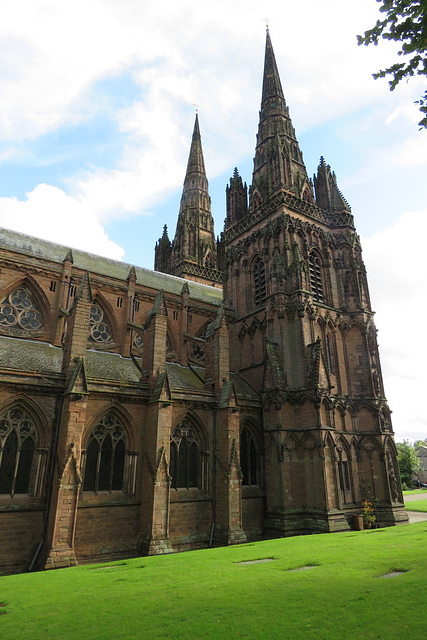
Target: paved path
(416, 496)
(416, 516)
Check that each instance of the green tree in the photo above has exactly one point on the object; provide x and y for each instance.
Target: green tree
(405, 21)
(409, 462)
(420, 443)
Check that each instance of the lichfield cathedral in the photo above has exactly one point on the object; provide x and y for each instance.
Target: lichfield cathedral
(233, 394)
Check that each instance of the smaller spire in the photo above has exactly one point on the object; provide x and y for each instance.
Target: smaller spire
(193, 251)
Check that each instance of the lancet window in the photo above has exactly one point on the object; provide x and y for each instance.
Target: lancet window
(19, 313)
(105, 456)
(17, 446)
(249, 458)
(185, 457)
(315, 271)
(259, 283)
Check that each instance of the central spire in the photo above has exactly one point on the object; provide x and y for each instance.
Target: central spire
(278, 162)
(193, 254)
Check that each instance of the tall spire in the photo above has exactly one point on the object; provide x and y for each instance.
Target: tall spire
(278, 162)
(271, 86)
(194, 253)
(196, 163)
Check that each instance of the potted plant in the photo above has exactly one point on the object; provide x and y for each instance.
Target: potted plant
(368, 513)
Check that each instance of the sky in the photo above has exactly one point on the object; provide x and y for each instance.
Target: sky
(97, 107)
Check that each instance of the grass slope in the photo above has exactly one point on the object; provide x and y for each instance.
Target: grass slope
(208, 594)
(417, 505)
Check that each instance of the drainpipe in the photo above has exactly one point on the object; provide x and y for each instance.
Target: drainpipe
(51, 473)
(213, 479)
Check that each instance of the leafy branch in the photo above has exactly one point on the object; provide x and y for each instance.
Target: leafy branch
(405, 22)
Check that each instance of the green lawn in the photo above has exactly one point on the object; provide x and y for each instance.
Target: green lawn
(417, 505)
(340, 593)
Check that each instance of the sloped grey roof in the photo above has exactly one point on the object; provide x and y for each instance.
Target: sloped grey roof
(28, 245)
(243, 389)
(185, 378)
(41, 357)
(29, 355)
(111, 366)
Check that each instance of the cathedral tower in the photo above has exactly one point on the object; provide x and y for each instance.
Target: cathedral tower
(193, 254)
(296, 284)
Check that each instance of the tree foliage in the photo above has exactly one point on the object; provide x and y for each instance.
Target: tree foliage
(409, 462)
(405, 22)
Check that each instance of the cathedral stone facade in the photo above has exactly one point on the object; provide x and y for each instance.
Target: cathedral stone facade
(233, 394)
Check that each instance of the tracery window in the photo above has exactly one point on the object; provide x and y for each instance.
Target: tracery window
(19, 313)
(259, 283)
(17, 445)
(184, 457)
(249, 458)
(197, 351)
(138, 341)
(315, 271)
(105, 456)
(99, 327)
(198, 348)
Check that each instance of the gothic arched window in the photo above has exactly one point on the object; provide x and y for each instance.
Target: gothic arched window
(105, 456)
(249, 458)
(315, 271)
(17, 445)
(99, 327)
(19, 313)
(184, 457)
(259, 283)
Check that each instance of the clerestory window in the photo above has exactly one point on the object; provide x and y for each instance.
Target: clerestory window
(99, 327)
(20, 314)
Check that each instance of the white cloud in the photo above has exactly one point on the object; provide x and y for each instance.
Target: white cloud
(55, 53)
(51, 214)
(413, 151)
(395, 264)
